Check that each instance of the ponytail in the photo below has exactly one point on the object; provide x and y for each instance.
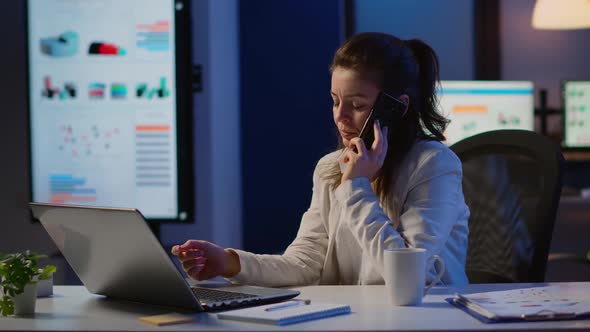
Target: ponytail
(428, 77)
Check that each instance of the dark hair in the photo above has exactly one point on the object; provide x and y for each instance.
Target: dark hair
(398, 67)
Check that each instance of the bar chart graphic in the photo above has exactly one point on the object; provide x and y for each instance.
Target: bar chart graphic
(118, 91)
(152, 156)
(143, 90)
(154, 37)
(67, 188)
(50, 91)
(96, 90)
(507, 119)
(470, 109)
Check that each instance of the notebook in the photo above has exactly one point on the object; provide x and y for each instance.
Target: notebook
(528, 304)
(285, 313)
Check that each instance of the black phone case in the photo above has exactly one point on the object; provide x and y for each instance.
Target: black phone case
(388, 110)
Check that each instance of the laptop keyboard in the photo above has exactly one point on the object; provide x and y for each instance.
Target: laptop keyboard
(208, 295)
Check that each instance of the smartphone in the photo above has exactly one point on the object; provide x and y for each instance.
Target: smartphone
(388, 110)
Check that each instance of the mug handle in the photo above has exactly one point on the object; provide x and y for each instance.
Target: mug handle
(431, 261)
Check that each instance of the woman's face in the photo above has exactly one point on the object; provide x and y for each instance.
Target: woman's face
(353, 99)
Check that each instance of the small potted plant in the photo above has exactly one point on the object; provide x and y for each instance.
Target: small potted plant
(19, 274)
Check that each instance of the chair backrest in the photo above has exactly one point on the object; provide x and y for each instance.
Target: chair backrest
(512, 185)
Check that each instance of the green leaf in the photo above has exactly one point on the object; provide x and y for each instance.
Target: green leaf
(6, 306)
(47, 272)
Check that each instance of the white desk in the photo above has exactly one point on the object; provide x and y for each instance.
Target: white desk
(72, 308)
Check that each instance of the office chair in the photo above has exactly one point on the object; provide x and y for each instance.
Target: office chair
(512, 185)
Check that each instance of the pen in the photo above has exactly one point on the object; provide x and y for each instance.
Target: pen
(291, 303)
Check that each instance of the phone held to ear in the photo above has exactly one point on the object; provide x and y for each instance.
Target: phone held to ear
(388, 110)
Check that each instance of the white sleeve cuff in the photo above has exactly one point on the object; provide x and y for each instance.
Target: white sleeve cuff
(351, 188)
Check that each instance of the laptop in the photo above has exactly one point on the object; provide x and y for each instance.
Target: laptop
(114, 253)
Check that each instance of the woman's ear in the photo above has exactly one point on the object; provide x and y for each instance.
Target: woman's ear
(406, 100)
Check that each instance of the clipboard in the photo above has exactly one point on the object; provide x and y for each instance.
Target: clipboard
(523, 305)
(545, 316)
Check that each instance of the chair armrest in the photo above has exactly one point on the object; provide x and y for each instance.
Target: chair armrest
(569, 257)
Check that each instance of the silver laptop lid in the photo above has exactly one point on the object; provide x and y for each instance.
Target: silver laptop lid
(114, 253)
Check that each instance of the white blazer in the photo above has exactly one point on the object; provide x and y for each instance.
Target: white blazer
(344, 232)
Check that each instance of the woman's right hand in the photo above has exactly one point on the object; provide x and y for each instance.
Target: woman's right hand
(203, 260)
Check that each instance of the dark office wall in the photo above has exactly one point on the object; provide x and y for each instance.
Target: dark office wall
(216, 129)
(543, 56)
(285, 51)
(447, 26)
(17, 232)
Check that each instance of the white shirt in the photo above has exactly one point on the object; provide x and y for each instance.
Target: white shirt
(344, 232)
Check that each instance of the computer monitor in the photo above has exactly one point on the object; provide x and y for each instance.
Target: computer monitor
(576, 115)
(474, 107)
(110, 105)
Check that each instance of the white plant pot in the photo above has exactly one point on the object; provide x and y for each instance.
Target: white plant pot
(45, 287)
(24, 304)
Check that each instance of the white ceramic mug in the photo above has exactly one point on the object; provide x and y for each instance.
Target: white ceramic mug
(405, 274)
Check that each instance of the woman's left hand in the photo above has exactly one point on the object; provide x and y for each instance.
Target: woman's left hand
(363, 162)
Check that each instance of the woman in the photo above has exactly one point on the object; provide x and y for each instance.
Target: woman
(402, 191)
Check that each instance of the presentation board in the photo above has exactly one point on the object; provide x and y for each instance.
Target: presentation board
(110, 105)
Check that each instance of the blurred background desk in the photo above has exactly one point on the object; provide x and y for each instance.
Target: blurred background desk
(74, 309)
(571, 241)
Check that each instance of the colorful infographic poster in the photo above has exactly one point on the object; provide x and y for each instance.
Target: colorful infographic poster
(103, 103)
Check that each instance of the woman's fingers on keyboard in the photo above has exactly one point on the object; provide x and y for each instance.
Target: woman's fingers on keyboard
(194, 244)
(188, 264)
(190, 245)
(195, 272)
(190, 254)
